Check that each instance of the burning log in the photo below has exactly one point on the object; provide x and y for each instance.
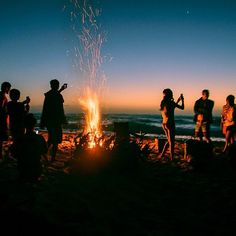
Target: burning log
(119, 149)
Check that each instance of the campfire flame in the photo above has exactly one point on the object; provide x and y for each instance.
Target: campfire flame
(92, 126)
(89, 60)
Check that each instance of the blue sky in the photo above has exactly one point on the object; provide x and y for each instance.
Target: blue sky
(184, 45)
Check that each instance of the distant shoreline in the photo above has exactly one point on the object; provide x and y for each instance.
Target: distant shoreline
(144, 123)
(178, 138)
(216, 116)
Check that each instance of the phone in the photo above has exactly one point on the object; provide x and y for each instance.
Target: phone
(65, 85)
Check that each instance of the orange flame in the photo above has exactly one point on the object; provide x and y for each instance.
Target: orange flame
(92, 118)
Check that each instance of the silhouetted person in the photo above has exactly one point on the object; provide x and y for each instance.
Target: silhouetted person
(29, 150)
(17, 112)
(168, 106)
(53, 116)
(5, 88)
(203, 116)
(228, 119)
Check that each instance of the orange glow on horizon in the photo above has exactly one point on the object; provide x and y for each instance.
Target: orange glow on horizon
(141, 96)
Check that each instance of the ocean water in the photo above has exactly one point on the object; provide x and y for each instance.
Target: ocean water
(150, 124)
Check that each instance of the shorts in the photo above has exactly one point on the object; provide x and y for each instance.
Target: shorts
(201, 126)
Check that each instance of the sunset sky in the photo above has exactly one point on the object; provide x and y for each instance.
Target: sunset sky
(154, 44)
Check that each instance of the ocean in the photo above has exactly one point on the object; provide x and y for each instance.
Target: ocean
(150, 124)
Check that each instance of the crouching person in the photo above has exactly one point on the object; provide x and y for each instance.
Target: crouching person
(29, 150)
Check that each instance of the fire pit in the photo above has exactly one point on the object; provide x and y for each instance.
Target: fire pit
(116, 152)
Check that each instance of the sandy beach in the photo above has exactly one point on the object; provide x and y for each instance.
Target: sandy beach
(153, 197)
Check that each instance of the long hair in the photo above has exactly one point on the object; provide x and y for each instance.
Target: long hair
(168, 97)
(230, 99)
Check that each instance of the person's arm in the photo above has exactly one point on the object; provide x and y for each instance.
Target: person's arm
(44, 114)
(1, 100)
(196, 107)
(212, 105)
(222, 117)
(234, 114)
(181, 98)
(210, 111)
(27, 100)
(62, 112)
(26, 105)
(63, 87)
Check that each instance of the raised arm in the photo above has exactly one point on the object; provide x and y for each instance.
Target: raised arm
(63, 87)
(180, 106)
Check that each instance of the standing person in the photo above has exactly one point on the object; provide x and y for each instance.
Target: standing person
(228, 121)
(53, 116)
(168, 106)
(5, 88)
(203, 116)
(17, 112)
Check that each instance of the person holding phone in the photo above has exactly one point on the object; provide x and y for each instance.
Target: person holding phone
(17, 111)
(167, 108)
(53, 116)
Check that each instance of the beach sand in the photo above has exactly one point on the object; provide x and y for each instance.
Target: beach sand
(153, 197)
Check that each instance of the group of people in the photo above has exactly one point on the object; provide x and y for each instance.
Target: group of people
(202, 117)
(28, 147)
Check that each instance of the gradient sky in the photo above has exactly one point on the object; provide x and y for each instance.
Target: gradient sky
(184, 45)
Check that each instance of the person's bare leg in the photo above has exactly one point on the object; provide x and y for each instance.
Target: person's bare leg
(206, 137)
(50, 151)
(167, 142)
(198, 136)
(164, 149)
(169, 138)
(172, 145)
(227, 139)
(231, 137)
